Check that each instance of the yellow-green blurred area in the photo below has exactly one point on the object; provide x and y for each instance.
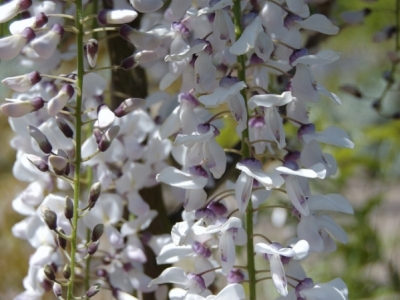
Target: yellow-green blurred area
(368, 175)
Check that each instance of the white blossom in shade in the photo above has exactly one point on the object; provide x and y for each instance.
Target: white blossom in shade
(273, 253)
(223, 28)
(10, 9)
(117, 16)
(247, 40)
(331, 135)
(32, 22)
(318, 232)
(316, 22)
(312, 154)
(202, 147)
(303, 85)
(231, 233)
(46, 44)
(11, 46)
(134, 177)
(263, 47)
(205, 72)
(33, 284)
(32, 196)
(335, 289)
(231, 291)
(252, 169)
(272, 16)
(176, 10)
(321, 58)
(22, 83)
(142, 40)
(146, 6)
(299, 7)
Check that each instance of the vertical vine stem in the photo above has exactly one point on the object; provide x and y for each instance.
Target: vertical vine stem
(78, 143)
(237, 12)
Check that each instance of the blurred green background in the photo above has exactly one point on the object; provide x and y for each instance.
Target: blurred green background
(368, 175)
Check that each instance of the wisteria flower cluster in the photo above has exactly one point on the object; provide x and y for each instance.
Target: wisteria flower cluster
(87, 163)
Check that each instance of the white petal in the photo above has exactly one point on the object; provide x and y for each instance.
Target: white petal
(332, 202)
(270, 100)
(220, 95)
(303, 85)
(171, 254)
(321, 58)
(331, 135)
(334, 229)
(231, 291)
(243, 187)
(248, 38)
(175, 177)
(278, 274)
(301, 249)
(194, 199)
(171, 275)
(227, 252)
(187, 53)
(319, 23)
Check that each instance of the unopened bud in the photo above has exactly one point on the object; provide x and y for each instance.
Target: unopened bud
(46, 44)
(41, 139)
(67, 271)
(92, 249)
(58, 163)
(69, 208)
(11, 46)
(91, 49)
(10, 9)
(57, 289)
(17, 108)
(128, 63)
(120, 16)
(93, 290)
(49, 272)
(62, 242)
(97, 134)
(107, 138)
(97, 232)
(128, 106)
(22, 83)
(50, 217)
(64, 127)
(94, 194)
(37, 162)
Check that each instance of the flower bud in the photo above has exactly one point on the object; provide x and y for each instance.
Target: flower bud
(105, 117)
(64, 127)
(94, 193)
(57, 103)
(92, 249)
(57, 289)
(18, 108)
(107, 138)
(12, 8)
(98, 134)
(50, 217)
(59, 164)
(11, 46)
(46, 44)
(120, 16)
(62, 242)
(22, 83)
(37, 162)
(97, 232)
(93, 290)
(91, 48)
(128, 106)
(67, 271)
(41, 139)
(49, 272)
(69, 208)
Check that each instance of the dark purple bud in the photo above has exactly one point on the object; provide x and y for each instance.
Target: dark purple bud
(305, 129)
(38, 162)
(257, 122)
(228, 81)
(181, 28)
(50, 217)
(292, 156)
(128, 63)
(290, 19)
(57, 28)
(37, 103)
(292, 165)
(93, 290)
(306, 283)
(58, 164)
(41, 20)
(28, 34)
(41, 139)
(24, 4)
(352, 90)
(34, 77)
(101, 273)
(128, 106)
(92, 249)
(296, 54)
(198, 171)
(252, 163)
(69, 208)
(97, 232)
(124, 31)
(67, 271)
(235, 276)
(49, 272)
(98, 134)
(102, 16)
(57, 290)
(107, 138)
(91, 48)
(218, 208)
(61, 241)
(94, 194)
(64, 127)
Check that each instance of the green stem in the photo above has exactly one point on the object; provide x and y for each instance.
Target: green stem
(78, 143)
(245, 153)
